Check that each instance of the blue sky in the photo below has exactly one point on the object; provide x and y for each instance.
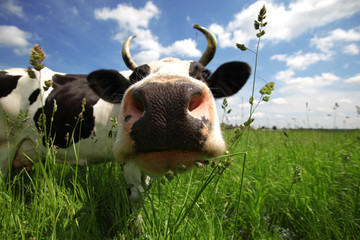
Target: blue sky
(311, 49)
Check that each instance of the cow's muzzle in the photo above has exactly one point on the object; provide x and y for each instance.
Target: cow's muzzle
(168, 116)
(167, 123)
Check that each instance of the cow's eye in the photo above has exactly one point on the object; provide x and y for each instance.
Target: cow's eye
(139, 73)
(205, 74)
(198, 71)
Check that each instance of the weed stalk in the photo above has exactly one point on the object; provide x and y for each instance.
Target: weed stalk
(265, 92)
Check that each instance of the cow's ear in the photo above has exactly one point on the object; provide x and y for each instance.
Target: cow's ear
(109, 85)
(228, 79)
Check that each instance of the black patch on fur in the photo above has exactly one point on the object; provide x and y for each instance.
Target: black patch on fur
(139, 73)
(7, 83)
(228, 79)
(65, 79)
(33, 96)
(109, 85)
(166, 124)
(69, 92)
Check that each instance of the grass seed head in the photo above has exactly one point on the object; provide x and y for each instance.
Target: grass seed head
(297, 175)
(202, 163)
(48, 84)
(224, 104)
(242, 47)
(248, 122)
(262, 13)
(260, 34)
(181, 168)
(256, 25)
(263, 90)
(251, 100)
(55, 106)
(37, 56)
(267, 90)
(30, 72)
(170, 175)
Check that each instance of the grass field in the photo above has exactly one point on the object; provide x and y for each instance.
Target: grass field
(298, 184)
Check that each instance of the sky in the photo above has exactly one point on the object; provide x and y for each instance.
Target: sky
(311, 49)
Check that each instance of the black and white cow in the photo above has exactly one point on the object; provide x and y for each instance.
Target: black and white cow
(165, 111)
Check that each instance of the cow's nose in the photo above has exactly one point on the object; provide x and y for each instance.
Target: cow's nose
(165, 117)
(158, 96)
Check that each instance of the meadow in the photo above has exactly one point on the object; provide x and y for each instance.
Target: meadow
(273, 184)
(297, 184)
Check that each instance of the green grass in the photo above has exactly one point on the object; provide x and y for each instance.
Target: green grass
(68, 202)
(298, 184)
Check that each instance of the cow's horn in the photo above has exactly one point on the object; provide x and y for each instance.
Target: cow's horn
(211, 45)
(125, 51)
(204, 60)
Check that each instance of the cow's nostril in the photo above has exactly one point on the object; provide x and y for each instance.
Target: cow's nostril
(138, 102)
(195, 102)
(138, 105)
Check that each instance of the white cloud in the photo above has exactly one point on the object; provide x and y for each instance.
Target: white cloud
(10, 7)
(319, 104)
(304, 84)
(75, 11)
(146, 56)
(322, 109)
(316, 113)
(259, 114)
(326, 44)
(345, 100)
(136, 21)
(128, 17)
(278, 101)
(11, 36)
(286, 22)
(279, 116)
(301, 61)
(284, 75)
(353, 80)
(351, 49)
(183, 48)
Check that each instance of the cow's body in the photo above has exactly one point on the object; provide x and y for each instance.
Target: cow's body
(29, 95)
(151, 119)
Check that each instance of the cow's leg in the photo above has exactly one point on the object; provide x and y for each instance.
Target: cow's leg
(132, 175)
(25, 154)
(4, 159)
(23, 157)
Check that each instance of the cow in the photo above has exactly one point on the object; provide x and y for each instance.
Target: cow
(152, 118)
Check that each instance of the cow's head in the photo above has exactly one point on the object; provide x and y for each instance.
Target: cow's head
(168, 114)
